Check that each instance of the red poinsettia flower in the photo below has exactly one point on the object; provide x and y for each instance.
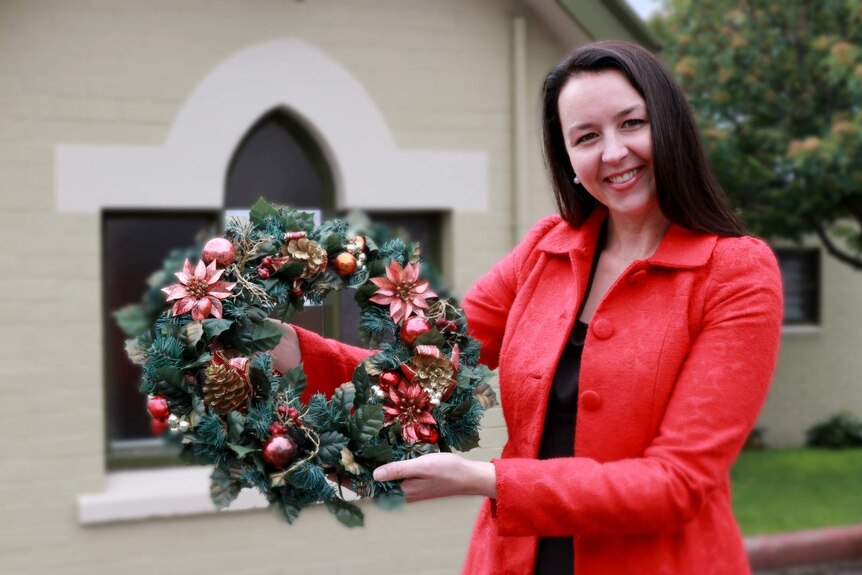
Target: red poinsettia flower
(409, 405)
(199, 291)
(402, 291)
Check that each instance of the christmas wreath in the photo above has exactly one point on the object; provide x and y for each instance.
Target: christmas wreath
(204, 344)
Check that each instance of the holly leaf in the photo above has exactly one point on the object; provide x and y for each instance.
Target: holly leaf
(260, 381)
(293, 381)
(284, 311)
(344, 396)
(223, 488)
(362, 381)
(214, 326)
(132, 319)
(331, 444)
(235, 425)
(241, 450)
(366, 423)
(431, 337)
(390, 500)
(348, 514)
(260, 210)
(290, 271)
(202, 359)
(261, 337)
(331, 242)
(294, 220)
(381, 452)
(289, 508)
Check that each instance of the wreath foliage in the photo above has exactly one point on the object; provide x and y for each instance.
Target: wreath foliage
(208, 370)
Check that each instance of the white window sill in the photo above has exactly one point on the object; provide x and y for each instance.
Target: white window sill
(808, 329)
(172, 492)
(169, 492)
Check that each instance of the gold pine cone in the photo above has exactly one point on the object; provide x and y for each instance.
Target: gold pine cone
(306, 251)
(225, 389)
(432, 373)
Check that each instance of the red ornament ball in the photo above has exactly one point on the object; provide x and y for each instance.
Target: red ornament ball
(220, 250)
(158, 427)
(345, 264)
(158, 408)
(413, 328)
(279, 451)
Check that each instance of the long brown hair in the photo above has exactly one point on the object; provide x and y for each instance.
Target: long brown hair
(688, 193)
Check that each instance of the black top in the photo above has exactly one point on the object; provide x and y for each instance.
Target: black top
(556, 555)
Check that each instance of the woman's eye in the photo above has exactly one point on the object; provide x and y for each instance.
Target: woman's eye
(633, 123)
(585, 138)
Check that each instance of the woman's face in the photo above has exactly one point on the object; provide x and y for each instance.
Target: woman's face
(606, 129)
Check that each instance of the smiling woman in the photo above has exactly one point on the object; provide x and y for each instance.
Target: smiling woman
(635, 334)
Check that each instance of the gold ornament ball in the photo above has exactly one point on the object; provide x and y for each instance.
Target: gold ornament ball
(220, 250)
(345, 264)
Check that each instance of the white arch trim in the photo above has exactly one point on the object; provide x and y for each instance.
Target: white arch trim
(189, 170)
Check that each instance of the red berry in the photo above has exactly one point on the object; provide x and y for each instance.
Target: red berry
(282, 410)
(429, 436)
(279, 451)
(263, 272)
(293, 413)
(267, 261)
(277, 428)
(158, 408)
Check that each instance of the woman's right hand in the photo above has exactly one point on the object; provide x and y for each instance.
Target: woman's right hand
(286, 354)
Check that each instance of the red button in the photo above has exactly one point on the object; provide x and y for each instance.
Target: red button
(591, 400)
(602, 328)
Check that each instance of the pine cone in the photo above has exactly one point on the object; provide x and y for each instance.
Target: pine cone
(306, 251)
(227, 387)
(432, 373)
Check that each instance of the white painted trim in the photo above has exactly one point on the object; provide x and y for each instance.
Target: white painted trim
(134, 495)
(800, 330)
(189, 170)
(168, 492)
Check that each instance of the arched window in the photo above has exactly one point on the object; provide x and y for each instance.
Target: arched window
(279, 160)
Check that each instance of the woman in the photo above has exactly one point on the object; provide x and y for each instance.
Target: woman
(636, 335)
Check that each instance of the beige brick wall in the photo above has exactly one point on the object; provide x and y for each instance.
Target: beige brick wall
(820, 372)
(109, 72)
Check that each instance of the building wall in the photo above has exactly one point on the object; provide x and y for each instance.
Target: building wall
(819, 368)
(104, 72)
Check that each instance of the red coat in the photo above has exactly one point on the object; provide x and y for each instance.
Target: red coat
(678, 359)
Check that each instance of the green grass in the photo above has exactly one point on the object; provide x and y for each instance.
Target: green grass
(777, 490)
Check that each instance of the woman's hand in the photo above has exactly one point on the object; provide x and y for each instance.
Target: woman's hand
(286, 354)
(440, 475)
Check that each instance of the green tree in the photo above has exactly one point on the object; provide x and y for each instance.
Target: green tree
(777, 89)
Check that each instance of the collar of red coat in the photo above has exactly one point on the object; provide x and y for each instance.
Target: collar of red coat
(680, 248)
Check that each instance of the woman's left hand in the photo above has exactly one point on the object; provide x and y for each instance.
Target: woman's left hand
(440, 475)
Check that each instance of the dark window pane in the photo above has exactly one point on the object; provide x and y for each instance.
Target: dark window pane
(800, 276)
(134, 245)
